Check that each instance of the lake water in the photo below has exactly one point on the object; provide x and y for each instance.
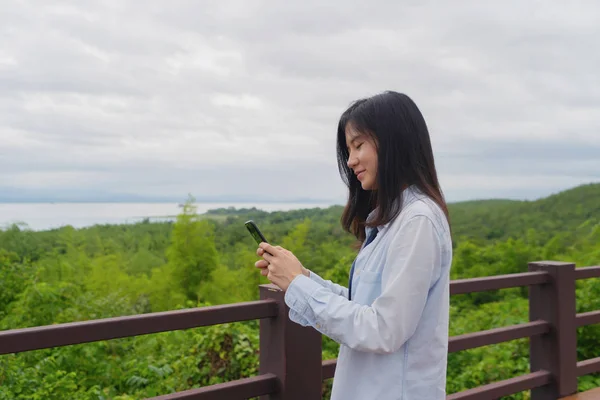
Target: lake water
(42, 216)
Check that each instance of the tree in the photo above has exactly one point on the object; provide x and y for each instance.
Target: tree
(192, 253)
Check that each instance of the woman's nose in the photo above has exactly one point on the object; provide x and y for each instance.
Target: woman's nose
(351, 161)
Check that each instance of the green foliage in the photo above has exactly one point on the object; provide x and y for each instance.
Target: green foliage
(133, 368)
(192, 252)
(40, 304)
(15, 278)
(68, 274)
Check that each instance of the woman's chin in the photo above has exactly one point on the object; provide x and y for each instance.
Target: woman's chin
(366, 186)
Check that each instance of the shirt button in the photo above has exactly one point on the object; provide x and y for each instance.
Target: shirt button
(318, 326)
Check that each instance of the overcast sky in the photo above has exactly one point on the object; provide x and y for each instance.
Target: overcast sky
(166, 98)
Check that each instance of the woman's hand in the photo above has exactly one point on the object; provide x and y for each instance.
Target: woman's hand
(279, 265)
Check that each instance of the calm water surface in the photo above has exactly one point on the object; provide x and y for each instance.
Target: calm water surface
(42, 216)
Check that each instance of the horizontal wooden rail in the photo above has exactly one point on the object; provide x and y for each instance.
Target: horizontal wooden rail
(18, 340)
(464, 286)
(588, 366)
(587, 318)
(504, 388)
(587, 272)
(486, 392)
(328, 368)
(498, 335)
(239, 389)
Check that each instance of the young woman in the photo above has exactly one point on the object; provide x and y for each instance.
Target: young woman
(392, 320)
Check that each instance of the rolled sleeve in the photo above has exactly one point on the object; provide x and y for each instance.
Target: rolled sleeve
(299, 292)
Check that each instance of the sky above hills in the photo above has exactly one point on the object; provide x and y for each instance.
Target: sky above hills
(240, 99)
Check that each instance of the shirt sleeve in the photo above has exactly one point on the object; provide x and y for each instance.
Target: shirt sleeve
(334, 287)
(413, 261)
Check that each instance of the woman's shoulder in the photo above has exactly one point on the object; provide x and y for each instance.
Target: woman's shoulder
(418, 205)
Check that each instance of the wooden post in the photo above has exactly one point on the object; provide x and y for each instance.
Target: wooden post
(290, 351)
(556, 351)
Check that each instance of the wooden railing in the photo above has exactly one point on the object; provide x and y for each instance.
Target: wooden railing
(290, 355)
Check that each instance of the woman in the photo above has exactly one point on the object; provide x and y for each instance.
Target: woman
(392, 321)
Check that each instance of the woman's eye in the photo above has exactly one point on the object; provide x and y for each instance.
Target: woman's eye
(359, 146)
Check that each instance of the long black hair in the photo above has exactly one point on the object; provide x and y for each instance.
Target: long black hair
(404, 153)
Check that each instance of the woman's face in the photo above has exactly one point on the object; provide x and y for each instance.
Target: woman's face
(363, 157)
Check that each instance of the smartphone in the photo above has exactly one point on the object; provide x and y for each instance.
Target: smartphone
(255, 232)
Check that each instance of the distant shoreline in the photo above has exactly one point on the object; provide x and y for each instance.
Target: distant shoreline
(297, 201)
(49, 215)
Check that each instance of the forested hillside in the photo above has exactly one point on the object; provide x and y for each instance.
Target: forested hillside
(68, 274)
(501, 219)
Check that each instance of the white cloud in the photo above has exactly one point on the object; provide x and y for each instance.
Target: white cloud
(237, 101)
(205, 97)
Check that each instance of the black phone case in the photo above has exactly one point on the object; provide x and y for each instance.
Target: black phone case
(255, 232)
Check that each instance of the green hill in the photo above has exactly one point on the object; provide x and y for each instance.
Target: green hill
(501, 219)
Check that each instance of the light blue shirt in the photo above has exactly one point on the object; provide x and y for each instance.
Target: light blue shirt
(393, 335)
